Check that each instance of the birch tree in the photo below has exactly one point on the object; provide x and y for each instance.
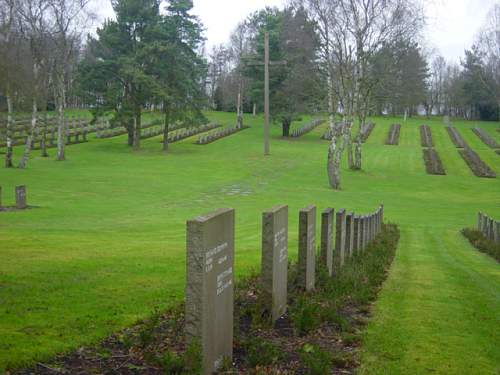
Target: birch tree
(36, 30)
(488, 43)
(70, 19)
(352, 31)
(8, 10)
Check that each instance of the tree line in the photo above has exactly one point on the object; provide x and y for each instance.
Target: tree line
(350, 58)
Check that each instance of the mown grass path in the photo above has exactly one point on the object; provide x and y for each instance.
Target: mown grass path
(107, 244)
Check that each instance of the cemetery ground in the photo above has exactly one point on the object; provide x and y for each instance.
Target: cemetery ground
(105, 246)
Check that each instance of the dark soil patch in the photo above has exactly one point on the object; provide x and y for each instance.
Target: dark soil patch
(483, 136)
(477, 166)
(393, 136)
(426, 136)
(366, 132)
(433, 164)
(14, 208)
(455, 137)
(320, 333)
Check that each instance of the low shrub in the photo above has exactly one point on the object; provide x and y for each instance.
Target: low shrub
(261, 352)
(482, 243)
(316, 360)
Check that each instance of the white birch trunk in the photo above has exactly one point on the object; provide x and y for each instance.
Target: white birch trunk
(34, 117)
(61, 126)
(8, 154)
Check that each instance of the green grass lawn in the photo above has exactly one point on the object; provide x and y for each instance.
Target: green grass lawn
(106, 244)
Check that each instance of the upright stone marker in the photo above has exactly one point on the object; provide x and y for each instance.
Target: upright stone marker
(210, 286)
(340, 238)
(479, 221)
(21, 197)
(357, 233)
(327, 239)
(485, 225)
(374, 227)
(361, 233)
(365, 232)
(491, 224)
(349, 234)
(275, 259)
(307, 247)
(496, 232)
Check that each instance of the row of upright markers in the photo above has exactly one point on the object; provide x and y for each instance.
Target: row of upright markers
(210, 267)
(488, 227)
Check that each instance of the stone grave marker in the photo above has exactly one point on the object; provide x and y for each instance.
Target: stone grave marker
(307, 247)
(210, 286)
(365, 232)
(479, 221)
(21, 197)
(275, 259)
(340, 238)
(357, 233)
(496, 232)
(349, 234)
(370, 227)
(327, 239)
(485, 225)
(490, 228)
(374, 232)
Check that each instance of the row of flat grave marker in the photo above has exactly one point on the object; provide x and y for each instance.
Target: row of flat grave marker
(306, 128)
(21, 202)
(217, 134)
(393, 135)
(210, 268)
(488, 227)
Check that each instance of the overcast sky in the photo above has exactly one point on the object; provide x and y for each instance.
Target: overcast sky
(452, 24)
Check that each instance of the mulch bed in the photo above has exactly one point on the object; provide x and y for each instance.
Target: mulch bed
(455, 137)
(477, 166)
(393, 136)
(157, 345)
(433, 164)
(426, 136)
(367, 131)
(483, 136)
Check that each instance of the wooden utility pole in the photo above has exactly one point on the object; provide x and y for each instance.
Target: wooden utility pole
(266, 94)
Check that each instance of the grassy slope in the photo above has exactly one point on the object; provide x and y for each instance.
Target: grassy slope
(107, 244)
